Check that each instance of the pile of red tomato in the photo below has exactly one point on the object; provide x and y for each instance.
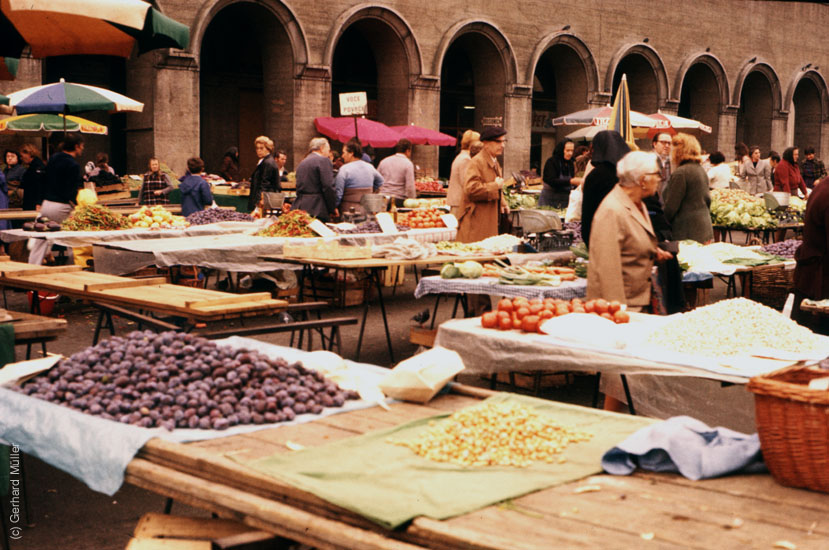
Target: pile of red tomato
(425, 218)
(527, 315)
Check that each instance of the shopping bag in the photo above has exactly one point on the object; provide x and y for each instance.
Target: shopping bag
(574, 206)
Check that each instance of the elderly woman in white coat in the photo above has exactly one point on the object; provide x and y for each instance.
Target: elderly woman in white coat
(757, 172)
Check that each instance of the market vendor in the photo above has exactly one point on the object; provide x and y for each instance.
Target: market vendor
(156, 185)
(355, 179)
(265, 178)
(454, 194)
(315, 182)
(623, 245)
(559, 176)
(398, 173)
(482, 198)
(787, 176)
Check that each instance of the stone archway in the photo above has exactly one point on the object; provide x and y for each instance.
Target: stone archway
(476, 66)
(373, 49)
(647, 80)
(757, 92)
(248, 59)
(703, 92)
(563, 76)
(807, 99)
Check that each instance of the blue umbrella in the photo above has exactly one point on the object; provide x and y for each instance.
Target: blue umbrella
(65, 97)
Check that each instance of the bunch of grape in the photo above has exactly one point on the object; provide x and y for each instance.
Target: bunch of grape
(367, 227)
(784, 249)
(214, 215)
(177, 380)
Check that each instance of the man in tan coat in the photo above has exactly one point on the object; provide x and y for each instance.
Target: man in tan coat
(454, 195)
(482, 200)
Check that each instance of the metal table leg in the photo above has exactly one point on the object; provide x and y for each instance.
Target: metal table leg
(375, 278)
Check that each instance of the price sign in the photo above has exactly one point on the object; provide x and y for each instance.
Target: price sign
(353, 104)
(321, 229)
(385, 222)
(450, 221)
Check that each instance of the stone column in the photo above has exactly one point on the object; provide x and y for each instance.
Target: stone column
(518, 112)
(823, 152)
(727, 135)
(779, 124)
(424, 110)
(312, 98)
(176, 110)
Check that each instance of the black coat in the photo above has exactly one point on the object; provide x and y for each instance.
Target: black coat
(265, 179)
(32, 184)
(63, 178)
(598, 183)
(315, 187)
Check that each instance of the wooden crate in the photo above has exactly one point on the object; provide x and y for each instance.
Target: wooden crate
(331, 291)
(527, 380)
(394, 275)
(423, 336)
(167, 532)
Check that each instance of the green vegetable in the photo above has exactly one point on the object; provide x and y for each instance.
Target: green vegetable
(471, 269)
(449, 271)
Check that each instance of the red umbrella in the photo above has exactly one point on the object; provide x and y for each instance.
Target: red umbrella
(369, 132)
(424, 136)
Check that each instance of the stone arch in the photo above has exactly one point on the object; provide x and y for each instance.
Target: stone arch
(653, 59)
(766, 70)
(714, 64)
(209, 10)
(591, 70)
(819, 82)
(486, 29)
(806, 101)
(388, 16)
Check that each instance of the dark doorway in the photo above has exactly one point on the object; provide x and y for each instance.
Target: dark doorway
(754, 116)
(642, 84)
(700, 100)
(808, 115)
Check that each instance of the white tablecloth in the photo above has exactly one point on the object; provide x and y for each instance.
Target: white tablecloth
(489, 285)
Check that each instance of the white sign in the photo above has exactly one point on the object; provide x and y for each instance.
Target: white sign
(385, 222)
(450, 221)
(321, 229)
(353, 103)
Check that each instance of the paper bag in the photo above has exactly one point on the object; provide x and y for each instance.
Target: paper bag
(420, 377)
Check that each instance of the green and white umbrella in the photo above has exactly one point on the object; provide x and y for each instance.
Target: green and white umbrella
(86, 27)
(67, 98)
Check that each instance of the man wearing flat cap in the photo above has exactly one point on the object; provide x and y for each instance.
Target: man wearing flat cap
(482, 200)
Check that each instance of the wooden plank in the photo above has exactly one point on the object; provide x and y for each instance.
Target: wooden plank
(168, 544)
(153, 525)
(15, 269)
(126, 283)
(233, 299)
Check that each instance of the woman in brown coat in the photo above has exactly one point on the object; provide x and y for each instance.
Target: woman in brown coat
(482, 201)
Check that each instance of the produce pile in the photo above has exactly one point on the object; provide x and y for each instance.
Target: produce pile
(736, 208)
(719, 257)
(517, 201)
(42, 224)
(177, 380)
(423, 203)
(453, 248)
(528, 315)
(499, 244)
(784, 249)
(468, 270)
(366, 227)
(733, 327)
(291, 224)
(495, 434)
(514, 273)
(424, 218)
(157, 217)
(404, 249)
(429, 185)
(94, 217)
(214, 215)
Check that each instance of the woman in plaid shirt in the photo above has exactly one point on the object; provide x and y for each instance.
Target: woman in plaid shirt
(156, 186)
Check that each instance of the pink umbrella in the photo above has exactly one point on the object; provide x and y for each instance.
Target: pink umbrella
(368, 131)
(424, 136)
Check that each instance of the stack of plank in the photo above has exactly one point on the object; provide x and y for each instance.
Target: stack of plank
(167, 532)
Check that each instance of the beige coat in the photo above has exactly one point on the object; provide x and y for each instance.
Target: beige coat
(454, 195)
(480, 205)
(622, 252)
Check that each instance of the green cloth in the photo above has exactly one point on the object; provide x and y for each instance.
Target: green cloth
(390, 485)
(6, 356)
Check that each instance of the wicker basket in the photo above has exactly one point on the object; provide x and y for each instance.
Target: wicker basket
(771, 284)
(793, 424)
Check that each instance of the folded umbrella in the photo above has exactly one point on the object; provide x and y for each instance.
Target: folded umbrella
(424, 136)
(91, 27)
(368, 131)
(65, 97)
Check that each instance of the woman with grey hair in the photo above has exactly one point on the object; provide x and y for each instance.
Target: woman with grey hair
(623, 245)
(315, 182)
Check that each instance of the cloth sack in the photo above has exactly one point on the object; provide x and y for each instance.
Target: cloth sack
(574, 206)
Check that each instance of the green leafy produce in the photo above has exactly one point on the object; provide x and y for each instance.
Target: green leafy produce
(520, 200)
(291, 224)
(94, 217)
(738, 209)
(450, 271)
(471, 269)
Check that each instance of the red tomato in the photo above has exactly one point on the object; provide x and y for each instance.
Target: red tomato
(606, 315)
(489, 320)
(519, 301)
(505, 305)
(589, 306)
(536, 301)
(516, 324)
(504, 323)
(601, 306)
(562, 310)
(578, 309)
(614, 306)
(621, 316)
(505, 315)
(522, 312)
(530, 323)
(546, 314)
(535, 309)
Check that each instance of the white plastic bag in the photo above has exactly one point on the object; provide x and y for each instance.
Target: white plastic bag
(574, 206)
(420, 377)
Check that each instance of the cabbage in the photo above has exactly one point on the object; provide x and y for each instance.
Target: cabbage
(411, 203)
(470, 269)
(449, 271)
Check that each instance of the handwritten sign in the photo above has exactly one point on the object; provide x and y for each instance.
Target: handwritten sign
(353, 104)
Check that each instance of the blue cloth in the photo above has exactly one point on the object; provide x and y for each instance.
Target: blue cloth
(687, 446)
(195, 194)
(356, 175)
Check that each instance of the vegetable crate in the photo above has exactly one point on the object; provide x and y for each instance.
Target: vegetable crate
(771, 284)
(793, 425)
(338, 292)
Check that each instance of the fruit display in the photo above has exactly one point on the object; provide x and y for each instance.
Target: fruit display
(291, 224)
(177, 380)
(429, 185)
(563, 273)
(453, 248)
(733, 327)
(214, 215)
(157, 217)
(468, 270)
(517, 201)
(495, 434)
(784, 249)
(528, 315)
(738, 209)
(41, 224)
(94, 217)
(423, 203)
(370, 226)
(423, 218)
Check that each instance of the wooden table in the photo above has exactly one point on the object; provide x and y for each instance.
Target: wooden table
(35, 329)
(644, 510)
(374, 266)
(18, 214)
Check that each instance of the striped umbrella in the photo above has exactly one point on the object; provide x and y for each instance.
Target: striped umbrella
(45, 124)
(620, 116)
(65, 97)
(91, 27)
